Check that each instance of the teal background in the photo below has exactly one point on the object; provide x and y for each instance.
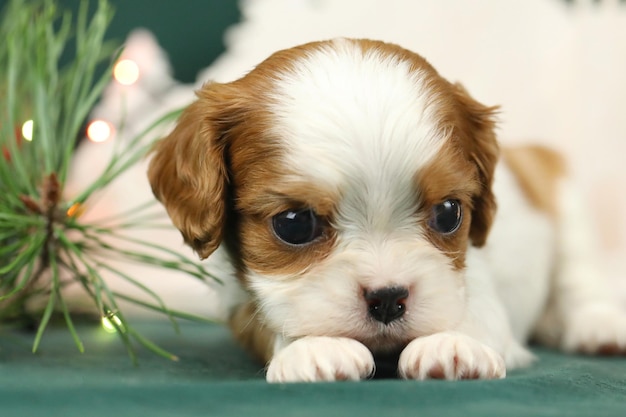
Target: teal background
(190, 31)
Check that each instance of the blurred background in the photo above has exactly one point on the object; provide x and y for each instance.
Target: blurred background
(555, 67)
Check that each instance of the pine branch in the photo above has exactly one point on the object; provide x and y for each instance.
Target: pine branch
(44, 243)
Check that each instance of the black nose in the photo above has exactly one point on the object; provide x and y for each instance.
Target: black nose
(386, 304)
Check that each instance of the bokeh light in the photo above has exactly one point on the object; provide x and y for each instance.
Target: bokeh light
(126, 72)
(27, 130)
(109, 327)
(75, 210)
(99, 131)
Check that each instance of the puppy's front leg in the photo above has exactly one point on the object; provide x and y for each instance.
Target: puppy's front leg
(481, 346)
(450, 355)
(312, 359)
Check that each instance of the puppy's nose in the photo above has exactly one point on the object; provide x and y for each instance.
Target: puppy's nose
(386, 304)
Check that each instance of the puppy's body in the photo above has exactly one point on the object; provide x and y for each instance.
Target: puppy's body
(353, 190)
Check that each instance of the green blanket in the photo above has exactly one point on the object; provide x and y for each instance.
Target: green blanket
(215, 378)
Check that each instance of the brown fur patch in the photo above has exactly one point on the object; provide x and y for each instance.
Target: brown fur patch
(263, 252)
(187, 175)
(472, 125)
(216, 136)
(537, 170)
(283, 194)
(463, 170)
(249, 330)
(261, 249)
(448, 176)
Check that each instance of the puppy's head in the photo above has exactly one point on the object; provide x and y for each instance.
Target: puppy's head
(347, 179)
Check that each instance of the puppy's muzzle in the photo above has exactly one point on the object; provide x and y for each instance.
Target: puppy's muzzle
(386, 304)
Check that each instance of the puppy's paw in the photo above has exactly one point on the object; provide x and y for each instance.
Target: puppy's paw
(595, 329)
(450, 355)
(313, 359)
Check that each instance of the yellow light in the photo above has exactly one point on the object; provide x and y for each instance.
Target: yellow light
(108, 326)
(75, 210)
(99, 131)
(126, 72)
(27, 130)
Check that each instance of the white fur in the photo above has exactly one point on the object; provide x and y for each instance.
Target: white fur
(326, 299)
(518, 257)
(348, 112)
(452, 355)
(311, 359)
(582, 315)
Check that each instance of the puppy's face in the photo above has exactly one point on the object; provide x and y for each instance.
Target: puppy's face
(347, 179)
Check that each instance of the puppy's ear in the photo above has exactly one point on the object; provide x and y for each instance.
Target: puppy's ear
(481, 147)
(188, 172)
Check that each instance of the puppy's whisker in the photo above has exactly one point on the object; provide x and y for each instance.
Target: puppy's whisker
(251, 319)
(454, 255)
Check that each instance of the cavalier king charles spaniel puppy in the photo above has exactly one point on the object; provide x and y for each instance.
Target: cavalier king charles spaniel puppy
(368, 212)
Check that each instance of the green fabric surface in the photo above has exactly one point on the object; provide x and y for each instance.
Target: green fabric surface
(214, 377)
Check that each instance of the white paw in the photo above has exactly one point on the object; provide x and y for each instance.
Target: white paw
(313, 359)
(450, 355)
(595, 329)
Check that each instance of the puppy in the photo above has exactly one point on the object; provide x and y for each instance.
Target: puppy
(354, 192)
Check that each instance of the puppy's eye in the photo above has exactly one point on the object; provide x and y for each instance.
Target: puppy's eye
(446, 217)
(297, 227)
